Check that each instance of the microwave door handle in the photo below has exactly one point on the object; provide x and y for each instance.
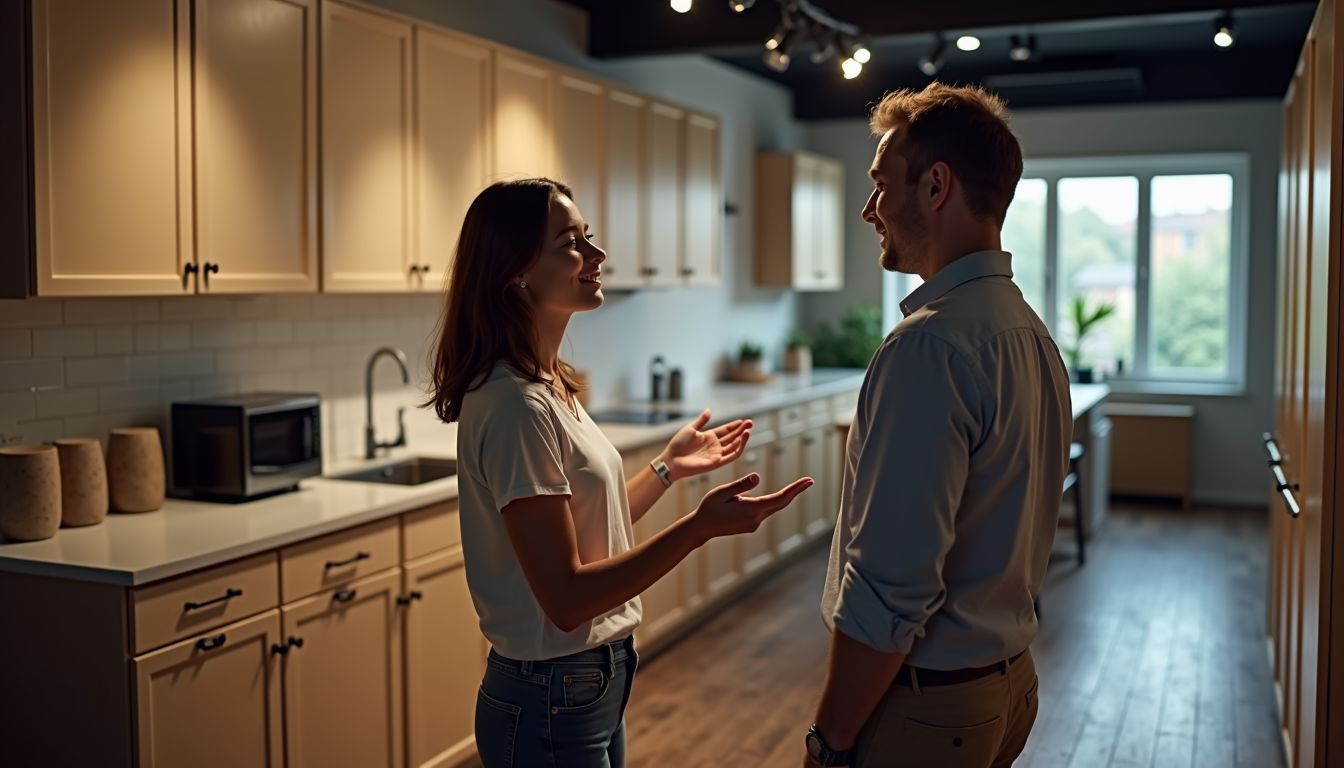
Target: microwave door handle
(267, 469)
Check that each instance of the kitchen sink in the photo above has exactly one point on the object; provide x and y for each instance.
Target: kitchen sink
(412, 471)
(636, 417)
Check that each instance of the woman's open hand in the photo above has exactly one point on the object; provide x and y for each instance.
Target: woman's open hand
(694, 450)
(724, 511)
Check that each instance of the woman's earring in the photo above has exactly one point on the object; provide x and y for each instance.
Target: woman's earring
(522, 284)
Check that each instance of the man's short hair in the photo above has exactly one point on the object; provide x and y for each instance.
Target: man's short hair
(963, 126)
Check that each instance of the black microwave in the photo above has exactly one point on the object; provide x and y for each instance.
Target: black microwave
(242, 447)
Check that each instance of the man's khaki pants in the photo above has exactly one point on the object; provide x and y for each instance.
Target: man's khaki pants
(983, 723)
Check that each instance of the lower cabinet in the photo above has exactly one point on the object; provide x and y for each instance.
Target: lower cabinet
(664, 603)
(785, 468)
(758, 549)
(213, 699)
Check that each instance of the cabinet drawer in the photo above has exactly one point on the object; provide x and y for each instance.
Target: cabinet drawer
(817, 411)
(430, 529)
(338, 558)
(790, 419)
(843, 406)
(201, 601)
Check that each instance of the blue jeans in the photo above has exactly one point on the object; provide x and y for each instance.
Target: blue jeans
(567, 712)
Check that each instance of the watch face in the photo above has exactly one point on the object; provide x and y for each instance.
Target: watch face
(814, 746)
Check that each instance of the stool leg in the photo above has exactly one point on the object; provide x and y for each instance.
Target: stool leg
(1079, 516)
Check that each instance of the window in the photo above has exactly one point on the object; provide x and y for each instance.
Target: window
(1161, 239)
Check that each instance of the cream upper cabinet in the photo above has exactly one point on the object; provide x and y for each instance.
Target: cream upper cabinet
(343, 683)
(366, 151)
(799, 222)
(112, 147)
(444, 661)
(624, 195)
(524, 117)
(662, 217)
(453, 119)
(212, 699)
(702, 202)
(580, 105)
(256, 145)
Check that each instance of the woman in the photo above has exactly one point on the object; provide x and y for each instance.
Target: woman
(546, 510)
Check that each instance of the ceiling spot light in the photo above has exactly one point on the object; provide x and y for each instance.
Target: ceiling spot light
(850, 68)
(739, 6)
(1224, 32)
(1022, 48)
(681, 6)
(861, 54)
(932, 61)
(777, 59)
(968, 43)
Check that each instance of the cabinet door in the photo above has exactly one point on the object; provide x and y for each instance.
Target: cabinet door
(758, 549)
(828, 204)
(663, 602)
(662, 218)
(721, 558)
(256, 145)
(212, 699)
(785, 457)
(453, 134)
(343, 684)
(815, 509)
(112, 147)
(703, 202)
(444, 663)
(803, 223)
(624, 195)
(366, 151)
(579, 108)
(524, 116)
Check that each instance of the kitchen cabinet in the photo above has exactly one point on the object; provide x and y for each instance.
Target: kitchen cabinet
(664, 603)
(702, 203)
(720, 562)
(816, 508)
(625, 190)
(580, 105)
(453, 157)
(342, 675)
(785, 467)
(112, 147)
(213, 699)
(663, 198)
(524, 116)
(367, 152)
(799, 222)
(758, 548)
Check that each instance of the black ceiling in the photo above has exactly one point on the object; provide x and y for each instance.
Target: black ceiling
(1087, 52)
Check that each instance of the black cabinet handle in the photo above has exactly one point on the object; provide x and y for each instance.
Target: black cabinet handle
(809, 440)
(344, 596)
(282, 649)
(687, 271)
(187, 272)
(294, 642)
(415, 269)
(210, 643)
(349, 561)
(229, 594)
(424, 268)
(279, 649)
(407, 599)
(210, 269)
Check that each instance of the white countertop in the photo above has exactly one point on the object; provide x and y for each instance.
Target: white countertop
(135, 549)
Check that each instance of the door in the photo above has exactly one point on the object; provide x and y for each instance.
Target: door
(366, 151)
(452, 147)
(343, 690)
(579, 108)
(212, 699)
(524, 114)
(256, 145)
(703, 204)
(785, 457)
(662, 218)
(112, 147)
(444, 662)
(624, 194)
(814, 505)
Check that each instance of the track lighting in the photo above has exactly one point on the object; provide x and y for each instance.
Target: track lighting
(739, 6)
(1022, 48)
(801, 25)
(681, 6)
(932, 61)
(777, 59)
(850, 68)
(1224, 32)
(860, 53)
(968, 43)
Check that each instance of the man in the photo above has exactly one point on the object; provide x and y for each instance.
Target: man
(954, 465)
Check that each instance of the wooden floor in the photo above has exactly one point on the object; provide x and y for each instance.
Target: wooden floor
(1151, 655)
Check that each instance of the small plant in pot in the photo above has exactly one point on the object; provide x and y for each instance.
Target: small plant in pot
(1084, 320)
(750, 361)
(797, 353)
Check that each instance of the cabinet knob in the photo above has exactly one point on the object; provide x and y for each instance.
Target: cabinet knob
(187, 272)
(687, 271)
(210, 269)
(415, 270)
(407, 599)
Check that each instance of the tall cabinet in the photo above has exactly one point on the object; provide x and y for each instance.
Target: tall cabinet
(1306, 598)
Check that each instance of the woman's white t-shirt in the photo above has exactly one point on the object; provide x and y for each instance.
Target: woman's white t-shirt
(516, 439)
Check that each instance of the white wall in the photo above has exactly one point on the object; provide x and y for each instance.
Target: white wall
(1228, 461)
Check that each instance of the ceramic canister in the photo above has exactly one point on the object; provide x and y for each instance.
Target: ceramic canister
(30, 492)
(83, 481)
(135, 480)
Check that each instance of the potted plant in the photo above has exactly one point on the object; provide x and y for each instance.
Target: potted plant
(797, 353)
(1083, 322)
(750, 361)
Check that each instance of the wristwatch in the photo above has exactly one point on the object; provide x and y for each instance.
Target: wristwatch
(660, 469)
(821, 752)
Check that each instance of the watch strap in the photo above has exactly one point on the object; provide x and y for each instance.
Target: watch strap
(660, 469)
(824, 755)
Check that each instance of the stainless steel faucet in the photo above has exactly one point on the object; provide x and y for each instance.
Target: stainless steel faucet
(371, 444)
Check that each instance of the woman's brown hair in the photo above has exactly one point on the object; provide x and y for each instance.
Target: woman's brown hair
(486, 320)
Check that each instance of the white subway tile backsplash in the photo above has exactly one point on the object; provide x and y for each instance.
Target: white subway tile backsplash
(21, 375)
(331, 306)
(196, 308)
(173, 336)
(308, 331)
(382, 330)
(57, 403)
(83, 371)
(254, 307)
(15, 343)
(144, 368)
(17, 406)
(29, 313)
(294, 358)
(223, 335)
(275, 332)
(330, 355)
(115, 339)
(175, 365)
(148, 337)
(99, 311)
(213, 386)
(129, 398)
(269, 380)
(255, 360)
(347, 329)
(41, 431)
(64, 342)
